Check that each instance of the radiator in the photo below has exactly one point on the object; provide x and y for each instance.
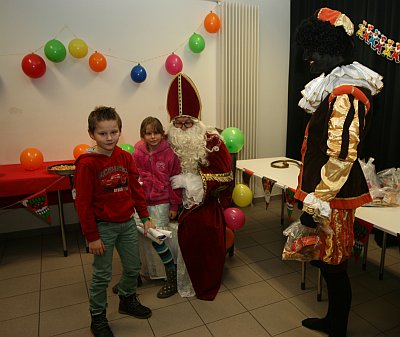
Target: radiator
(237, 72)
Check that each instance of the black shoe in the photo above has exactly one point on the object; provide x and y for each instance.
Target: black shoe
(99, 325)
(129, 305)
(319, 324)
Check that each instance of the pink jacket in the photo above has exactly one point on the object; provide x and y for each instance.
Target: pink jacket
(155, 170)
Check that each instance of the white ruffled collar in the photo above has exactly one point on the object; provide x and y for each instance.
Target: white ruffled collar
(353, 74)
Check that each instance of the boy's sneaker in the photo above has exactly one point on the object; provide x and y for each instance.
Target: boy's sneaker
(99, 325)
(130, 305)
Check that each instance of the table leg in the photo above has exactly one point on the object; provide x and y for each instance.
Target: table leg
(364, 256)
(303, 276)
(383, 252)
(283, 207)
(61, 215)
(319, 286)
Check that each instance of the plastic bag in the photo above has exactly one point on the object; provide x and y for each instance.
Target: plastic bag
(302, 243)
(383, 186)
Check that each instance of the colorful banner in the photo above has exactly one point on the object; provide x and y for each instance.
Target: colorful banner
(246, 175)
(290, 201)
(38, 205)
(268, 184)
(362, 229)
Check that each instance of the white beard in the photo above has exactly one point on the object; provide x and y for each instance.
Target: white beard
(189, 146)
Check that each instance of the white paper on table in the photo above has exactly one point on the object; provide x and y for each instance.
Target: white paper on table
(156, 235)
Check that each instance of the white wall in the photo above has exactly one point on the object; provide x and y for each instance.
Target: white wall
(50, 113)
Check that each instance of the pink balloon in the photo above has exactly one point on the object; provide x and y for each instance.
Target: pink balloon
(234, 218)
(173, 64)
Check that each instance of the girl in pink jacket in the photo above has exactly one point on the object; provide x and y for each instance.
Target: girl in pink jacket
(157, 163)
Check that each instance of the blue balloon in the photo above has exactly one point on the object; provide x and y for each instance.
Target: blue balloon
(138, 74)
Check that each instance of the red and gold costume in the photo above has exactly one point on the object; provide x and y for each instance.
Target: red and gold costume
(333, 139)
(201, 231)
(206, 180)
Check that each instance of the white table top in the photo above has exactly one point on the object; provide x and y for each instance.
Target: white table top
(384, 218)
(262, 168)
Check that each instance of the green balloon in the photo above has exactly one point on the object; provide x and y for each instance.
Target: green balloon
(196, 43)
(55, 51)
(233, 139)
(127, 147)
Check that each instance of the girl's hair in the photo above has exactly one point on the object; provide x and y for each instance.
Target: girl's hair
(154, 123)
(321, 37)
(103, 113)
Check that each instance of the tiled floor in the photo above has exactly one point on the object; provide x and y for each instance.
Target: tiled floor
(43, 293)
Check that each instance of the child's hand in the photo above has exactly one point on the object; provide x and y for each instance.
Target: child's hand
(97, 247)
(172, 214)
(148, 224)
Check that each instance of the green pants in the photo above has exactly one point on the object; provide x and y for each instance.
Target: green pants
(123, 236)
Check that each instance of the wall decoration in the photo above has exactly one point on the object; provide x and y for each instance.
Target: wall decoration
(55, 51)
(34, 66)
(379, 42)
(173, 64)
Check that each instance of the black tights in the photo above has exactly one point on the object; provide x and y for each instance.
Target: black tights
(339, 297)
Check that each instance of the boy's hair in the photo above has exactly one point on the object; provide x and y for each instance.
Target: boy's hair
(154, 123)
(318, 36)
(103, 113)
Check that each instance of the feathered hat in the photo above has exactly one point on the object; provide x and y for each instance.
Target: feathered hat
(183, 99)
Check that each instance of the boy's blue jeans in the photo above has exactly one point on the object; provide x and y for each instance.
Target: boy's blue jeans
(123, 236)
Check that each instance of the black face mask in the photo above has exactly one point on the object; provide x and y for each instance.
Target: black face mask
(322, 63)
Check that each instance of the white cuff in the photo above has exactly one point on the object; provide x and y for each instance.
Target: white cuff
(320, 207)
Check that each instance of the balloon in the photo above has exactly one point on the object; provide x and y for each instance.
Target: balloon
(127, 147)
(233, 139)
(55, 51)
(229, 238)
(138, 74)
(33, 65)
(242, 195)
(234, 218)
(97, 62)
(78, 48)
(31, 158)
(80, 149)
(212, 23)
(173, 64)
(196, 43)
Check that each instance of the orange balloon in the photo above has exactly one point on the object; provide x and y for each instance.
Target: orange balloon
(31, 158)
(212, 23)
(97, 62)
(79, 149)
(230, 236)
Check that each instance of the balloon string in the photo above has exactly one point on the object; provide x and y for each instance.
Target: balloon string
(113, 56)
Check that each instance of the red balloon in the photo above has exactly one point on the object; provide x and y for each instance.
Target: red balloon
(173, 64)
(97, 62)
(79, 149)
(229, 238)
(33, 65)
(234, 218)
(31, 158)
(212, 23)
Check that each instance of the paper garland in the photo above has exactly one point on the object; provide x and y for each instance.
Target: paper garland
(379, 42)
(38, 205)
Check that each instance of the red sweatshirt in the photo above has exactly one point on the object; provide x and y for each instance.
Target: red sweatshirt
(107, 189)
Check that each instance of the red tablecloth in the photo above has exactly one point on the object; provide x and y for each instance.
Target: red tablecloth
(15, 180)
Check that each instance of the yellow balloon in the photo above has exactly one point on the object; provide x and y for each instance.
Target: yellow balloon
(242, 195)
(78, 48)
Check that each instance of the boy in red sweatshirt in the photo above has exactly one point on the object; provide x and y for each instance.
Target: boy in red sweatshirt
(107, 194)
